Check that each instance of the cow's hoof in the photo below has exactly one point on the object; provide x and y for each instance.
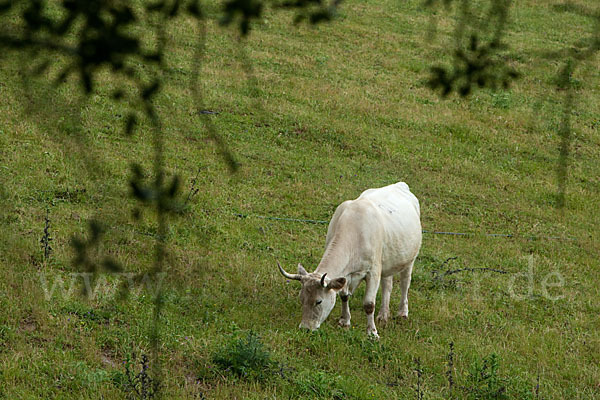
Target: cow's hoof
(402, 316)
(344, 323)
(373, 334)
(382, 319)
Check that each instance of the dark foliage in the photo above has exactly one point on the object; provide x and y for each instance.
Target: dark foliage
(85, 258)
(476, 65)
(313, 11)
(247, 10)
(91, 34)
(164, 196)
(477, 60)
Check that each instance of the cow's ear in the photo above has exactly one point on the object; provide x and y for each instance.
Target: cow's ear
(336, 284)
(301, 270)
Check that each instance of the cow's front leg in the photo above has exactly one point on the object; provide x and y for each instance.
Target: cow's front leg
(386, 291)
(345, 318)
(345, 293)
(372, 280)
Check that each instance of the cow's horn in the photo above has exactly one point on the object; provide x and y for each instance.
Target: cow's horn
(295, 277)
(323, 280)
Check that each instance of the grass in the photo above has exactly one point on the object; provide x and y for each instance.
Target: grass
(314, 115)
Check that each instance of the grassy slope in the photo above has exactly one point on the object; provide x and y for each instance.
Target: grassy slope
(333, 110)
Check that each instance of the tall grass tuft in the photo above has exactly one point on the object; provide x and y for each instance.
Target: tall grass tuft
(483, 380)
(246, 358)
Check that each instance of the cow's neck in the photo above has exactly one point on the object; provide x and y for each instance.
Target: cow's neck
(335, 260)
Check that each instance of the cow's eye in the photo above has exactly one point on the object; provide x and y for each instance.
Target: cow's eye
(318, 302)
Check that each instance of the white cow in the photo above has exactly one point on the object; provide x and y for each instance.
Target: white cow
(371, 238)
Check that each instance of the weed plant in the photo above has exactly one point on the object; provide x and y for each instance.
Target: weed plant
(245, 357)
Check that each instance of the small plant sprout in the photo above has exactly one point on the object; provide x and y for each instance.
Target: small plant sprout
(140, 385)
(46, 238)
(450, 367)
(419, 371)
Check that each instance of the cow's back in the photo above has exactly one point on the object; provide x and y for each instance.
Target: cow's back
(381, 224)
(398, 216)
(391, 198)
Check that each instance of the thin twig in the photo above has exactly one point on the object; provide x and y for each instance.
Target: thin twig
(18, 43)
(441, 276)
(500, 271)
(446, 261)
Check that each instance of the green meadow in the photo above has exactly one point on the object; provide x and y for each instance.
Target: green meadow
(313, 115)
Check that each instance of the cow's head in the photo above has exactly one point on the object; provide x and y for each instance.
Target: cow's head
(317, 295)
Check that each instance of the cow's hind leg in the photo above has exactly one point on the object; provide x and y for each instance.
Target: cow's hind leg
(372, 280)
(386, 291)
(405, 276)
